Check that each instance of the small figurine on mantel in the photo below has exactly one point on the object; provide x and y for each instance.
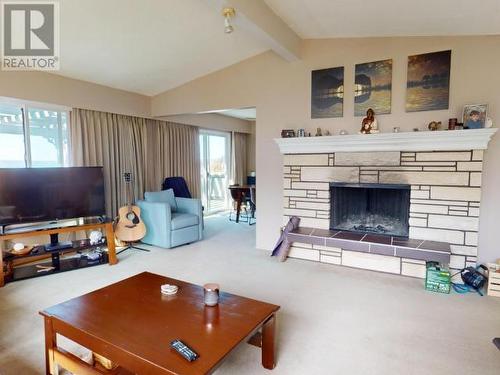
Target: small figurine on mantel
(369, 124)
(434, 125)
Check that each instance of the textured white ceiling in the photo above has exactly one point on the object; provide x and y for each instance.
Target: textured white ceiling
(312, 19)
(147, 46)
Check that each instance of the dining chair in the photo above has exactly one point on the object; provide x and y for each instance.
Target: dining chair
(239, 206)
(253, 206)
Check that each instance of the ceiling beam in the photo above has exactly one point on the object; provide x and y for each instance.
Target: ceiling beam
(258, 18)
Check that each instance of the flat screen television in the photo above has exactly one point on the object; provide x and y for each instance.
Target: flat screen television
(31, 195)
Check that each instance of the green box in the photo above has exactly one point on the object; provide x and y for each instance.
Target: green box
(437, 279)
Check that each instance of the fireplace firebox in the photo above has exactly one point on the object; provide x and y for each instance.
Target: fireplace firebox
(370, 208)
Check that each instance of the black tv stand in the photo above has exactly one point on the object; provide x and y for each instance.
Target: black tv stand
(19, 267)
(55, 245)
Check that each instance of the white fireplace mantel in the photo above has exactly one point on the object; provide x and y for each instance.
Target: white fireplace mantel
(472, 139)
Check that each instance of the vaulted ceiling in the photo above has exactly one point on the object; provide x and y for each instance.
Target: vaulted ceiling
(151, 46)
(147, 46)
(313, 19)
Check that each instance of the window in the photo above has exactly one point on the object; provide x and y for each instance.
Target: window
(32, 136)
(11, 137)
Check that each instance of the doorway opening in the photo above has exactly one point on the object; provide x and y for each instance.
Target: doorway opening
(215, 151)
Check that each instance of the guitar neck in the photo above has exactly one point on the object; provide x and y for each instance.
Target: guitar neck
(129, 193)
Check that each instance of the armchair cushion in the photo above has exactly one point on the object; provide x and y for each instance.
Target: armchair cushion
(166, 196)
(183, 220)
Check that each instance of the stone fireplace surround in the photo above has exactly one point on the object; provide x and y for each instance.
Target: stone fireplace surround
(444, 170)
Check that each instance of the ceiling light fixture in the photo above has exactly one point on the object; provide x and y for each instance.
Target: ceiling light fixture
(228, 13)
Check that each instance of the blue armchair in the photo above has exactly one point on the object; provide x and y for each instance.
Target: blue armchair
(171, 221)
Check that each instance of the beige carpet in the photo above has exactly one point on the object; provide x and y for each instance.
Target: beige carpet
(334, 320)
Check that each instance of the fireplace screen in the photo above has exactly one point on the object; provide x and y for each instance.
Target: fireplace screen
(370, 208)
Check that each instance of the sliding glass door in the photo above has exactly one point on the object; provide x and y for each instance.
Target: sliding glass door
(215, 162)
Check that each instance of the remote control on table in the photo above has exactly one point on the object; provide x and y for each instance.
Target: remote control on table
(184, 350)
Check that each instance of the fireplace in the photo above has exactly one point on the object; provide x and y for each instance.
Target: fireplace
(370, 208)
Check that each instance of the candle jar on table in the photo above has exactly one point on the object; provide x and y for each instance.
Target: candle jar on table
(211, 294)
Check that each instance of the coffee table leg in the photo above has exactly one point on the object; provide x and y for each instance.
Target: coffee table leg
(268, 343)
(50, 345)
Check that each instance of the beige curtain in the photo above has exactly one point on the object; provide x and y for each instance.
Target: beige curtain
(239, 158)
(183, 158)
(179, 147)
(150, 149)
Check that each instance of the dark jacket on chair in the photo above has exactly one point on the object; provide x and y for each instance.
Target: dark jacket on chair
(179, 185)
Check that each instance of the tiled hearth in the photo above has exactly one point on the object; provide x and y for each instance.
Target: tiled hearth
(372, 244)
(444, 205)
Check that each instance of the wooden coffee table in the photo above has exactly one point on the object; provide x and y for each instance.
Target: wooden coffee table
(132, 324)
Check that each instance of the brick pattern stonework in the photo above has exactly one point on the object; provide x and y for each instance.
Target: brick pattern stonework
(444, 206)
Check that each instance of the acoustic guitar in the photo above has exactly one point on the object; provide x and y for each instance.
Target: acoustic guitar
(130, 227)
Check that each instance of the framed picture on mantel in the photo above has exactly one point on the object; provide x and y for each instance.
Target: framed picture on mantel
(327, 93)
(428, 83)
(474, 116)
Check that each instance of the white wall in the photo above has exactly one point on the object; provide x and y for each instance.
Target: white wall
(281, 93)
(251, 140)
